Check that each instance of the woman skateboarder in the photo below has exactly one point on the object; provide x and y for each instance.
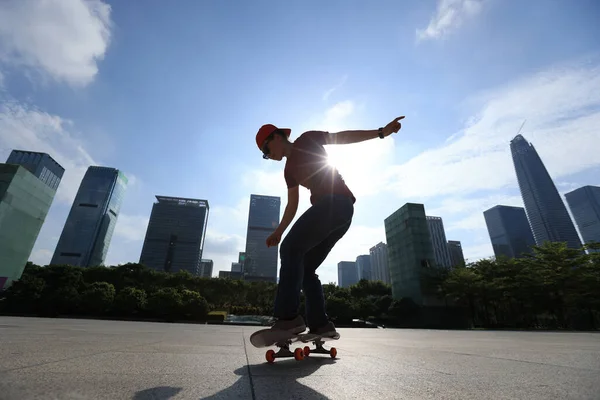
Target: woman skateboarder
(314, 234)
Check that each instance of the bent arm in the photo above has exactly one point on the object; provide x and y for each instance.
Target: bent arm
(290, 209)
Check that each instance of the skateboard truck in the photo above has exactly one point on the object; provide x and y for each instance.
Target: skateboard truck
(284, 351)
(319, 349)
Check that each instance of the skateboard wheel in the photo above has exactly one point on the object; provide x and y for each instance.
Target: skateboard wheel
(306, 351)
(298, 355)
(270, 356)
(333, 352)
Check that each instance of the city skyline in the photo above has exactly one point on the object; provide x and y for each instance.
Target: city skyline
(182, 122)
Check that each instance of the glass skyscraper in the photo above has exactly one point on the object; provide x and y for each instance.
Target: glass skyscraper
(585, 207)
(456, 254)
(86, 236)
(41, 165)
(25, 199)
(260, 263)
(347, 274)
(206, 268)
(364, 267)
(509, 231)
(546, 212)
(379, 263)
(438, 240)
(175, 236)
(410, 252)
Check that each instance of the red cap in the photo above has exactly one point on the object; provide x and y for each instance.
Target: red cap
(265, 131)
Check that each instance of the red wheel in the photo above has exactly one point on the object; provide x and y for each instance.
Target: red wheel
(270, 356)
(306, 351)
(333, 352)
(298, 354)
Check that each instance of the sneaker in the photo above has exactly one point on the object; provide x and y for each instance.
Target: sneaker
(327, 330)
(295, 326)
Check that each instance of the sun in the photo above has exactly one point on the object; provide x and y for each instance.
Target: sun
(343, 160)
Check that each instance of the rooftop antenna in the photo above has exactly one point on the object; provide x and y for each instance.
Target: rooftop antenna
(519, 131)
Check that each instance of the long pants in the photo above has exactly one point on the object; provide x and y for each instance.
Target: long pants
(305, 247)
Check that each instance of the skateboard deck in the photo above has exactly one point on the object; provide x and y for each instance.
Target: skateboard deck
(283, 340)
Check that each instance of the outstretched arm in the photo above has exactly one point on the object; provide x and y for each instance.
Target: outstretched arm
(356, 136)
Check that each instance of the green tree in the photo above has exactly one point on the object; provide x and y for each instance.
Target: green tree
(98, 298)
(130, 301)
(165, 303)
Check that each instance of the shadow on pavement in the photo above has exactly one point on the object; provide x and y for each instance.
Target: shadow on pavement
(160, 392)
(282, 381)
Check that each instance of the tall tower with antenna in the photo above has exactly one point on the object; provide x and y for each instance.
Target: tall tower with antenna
(546, 212)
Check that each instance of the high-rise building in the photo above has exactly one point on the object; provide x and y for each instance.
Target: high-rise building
(87, 234)
(175, 235)
(347, 274)
(41, 165)
(260, 263)
(25, 200)
(241, 259)
(438, 241)
(410, 252)
(236, 267)
(206, 268)
(509, 231)
(456, 254)
(585, 208)
(546, 212)
(379, 263)
(364, 267)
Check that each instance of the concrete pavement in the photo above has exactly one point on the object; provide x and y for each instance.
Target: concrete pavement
(91, 359)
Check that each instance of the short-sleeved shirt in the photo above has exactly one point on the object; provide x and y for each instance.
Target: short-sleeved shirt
(307, 166)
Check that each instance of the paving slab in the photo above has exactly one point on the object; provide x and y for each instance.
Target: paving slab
(96, 359)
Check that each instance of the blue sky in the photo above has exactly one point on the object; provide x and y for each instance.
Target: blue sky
(173, 94)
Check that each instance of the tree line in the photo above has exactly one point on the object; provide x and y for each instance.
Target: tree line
(552, 288)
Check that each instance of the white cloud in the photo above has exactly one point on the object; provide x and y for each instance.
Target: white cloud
(131, 227)
(562, 108)
(41, 256)
(449, 15)
(63, 39)
(25, 127)
(335, 117)
(329, 92)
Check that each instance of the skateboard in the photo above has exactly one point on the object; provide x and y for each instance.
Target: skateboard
(283, 340)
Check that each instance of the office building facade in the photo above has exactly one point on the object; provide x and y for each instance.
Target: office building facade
(24, 204)
(175, 235)
(439, 242)
(410, 252)
(260, 263)
(364, 267)
(585, 208)
(41, 165)
(89, 228)
(347, 274)
(206, 268)
(457, 257)
(379, 263)
(546, 212)
(509, 231)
